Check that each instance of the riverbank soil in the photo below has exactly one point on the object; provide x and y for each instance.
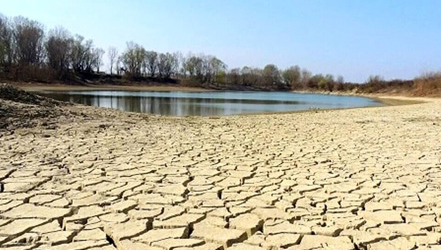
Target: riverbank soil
(92, 178)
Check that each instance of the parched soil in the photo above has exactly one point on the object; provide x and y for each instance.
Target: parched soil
(340, 179)
(21, 109)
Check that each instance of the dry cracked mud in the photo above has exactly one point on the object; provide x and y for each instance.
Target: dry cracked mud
(343, 179)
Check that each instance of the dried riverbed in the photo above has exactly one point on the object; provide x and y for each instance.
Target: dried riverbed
(89, 178)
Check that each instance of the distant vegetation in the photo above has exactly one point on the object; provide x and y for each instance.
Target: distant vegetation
(29, 53)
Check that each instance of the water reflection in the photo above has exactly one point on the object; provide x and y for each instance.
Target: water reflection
(207, 103)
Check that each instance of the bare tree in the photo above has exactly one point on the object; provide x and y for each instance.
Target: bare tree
(291, 77)
(6, 44)
(58, 49)
(179, 62)
(118, 65)
(271, 75)
(133, 59)
(375, 79)
(81, 54)
(306, 76)
(340, 79)
(97, 58)
(215, 66)
(251, 76)
(194, 66)
(151, 58)
(28, 38)
(234, 76)
(167, 65)
(112, 53)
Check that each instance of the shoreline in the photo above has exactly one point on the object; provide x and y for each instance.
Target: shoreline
(32, 87)
(386, 100)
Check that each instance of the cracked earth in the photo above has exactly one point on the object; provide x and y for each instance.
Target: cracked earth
(343, 179)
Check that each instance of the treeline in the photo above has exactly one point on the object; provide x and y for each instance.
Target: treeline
(29, 53)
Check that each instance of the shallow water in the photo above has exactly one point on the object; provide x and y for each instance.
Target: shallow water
(176, 103)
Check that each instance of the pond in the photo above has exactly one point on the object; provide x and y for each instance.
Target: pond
(176, 103)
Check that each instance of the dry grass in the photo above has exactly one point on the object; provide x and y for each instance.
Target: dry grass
(428, 84)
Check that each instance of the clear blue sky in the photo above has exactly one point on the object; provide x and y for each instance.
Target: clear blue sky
(353, 38)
